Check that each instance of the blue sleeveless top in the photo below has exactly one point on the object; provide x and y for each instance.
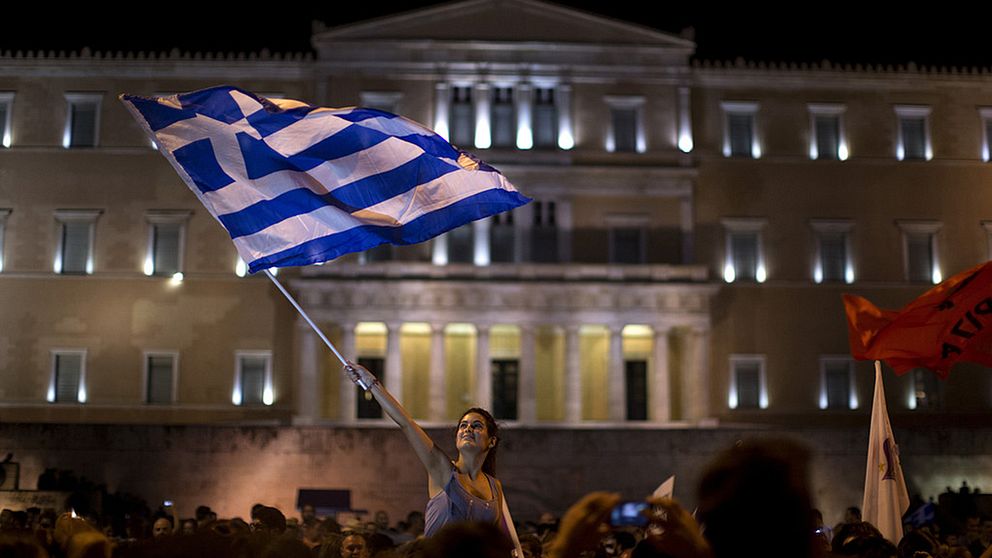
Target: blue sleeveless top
(454, 503)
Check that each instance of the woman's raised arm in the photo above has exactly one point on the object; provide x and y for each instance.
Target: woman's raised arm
(438, 464)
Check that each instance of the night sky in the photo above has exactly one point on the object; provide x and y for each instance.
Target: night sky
(810, 33)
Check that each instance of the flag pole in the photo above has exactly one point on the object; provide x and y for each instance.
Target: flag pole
(289, 297)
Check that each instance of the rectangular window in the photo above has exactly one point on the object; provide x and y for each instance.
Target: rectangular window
(636, 376)
(747, 382)
(68, 381)
(253, 378)
(506, 375)
(6, 106)
(827, 138)
(920, 249)
(366, 406)
(745, 260)
(545, 118)
(503, 118)
(74, 253)
(740, 136)
(383, 100)
(544, 232)
(837, 383)
(627, 245)
(502, 238)
(160, 378)
(166, 248)
(461, 244)
(380, 253)
(928, 390)
(626, 128)
(913, 143)
(82, 127)
(462, 117)
(166, 240)
(4, 213)
(919, 253)
(986, 115)
(833, 259)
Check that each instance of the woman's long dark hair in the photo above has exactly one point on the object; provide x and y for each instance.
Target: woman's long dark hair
(489, 465)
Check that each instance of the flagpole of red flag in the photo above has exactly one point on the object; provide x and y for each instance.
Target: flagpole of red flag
(289, 297)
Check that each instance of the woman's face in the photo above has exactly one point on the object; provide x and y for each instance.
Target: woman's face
(473, 434)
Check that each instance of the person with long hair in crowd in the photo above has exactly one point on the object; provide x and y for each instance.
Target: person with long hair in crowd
(462, 489)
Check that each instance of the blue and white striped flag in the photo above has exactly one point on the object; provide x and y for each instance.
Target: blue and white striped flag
(296, 185)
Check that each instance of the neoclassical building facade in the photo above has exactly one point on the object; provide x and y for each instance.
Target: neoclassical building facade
(694, 224)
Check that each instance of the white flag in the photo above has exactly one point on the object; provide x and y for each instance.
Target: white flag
(885, 498)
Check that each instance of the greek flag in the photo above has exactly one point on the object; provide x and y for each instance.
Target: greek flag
(296, 185)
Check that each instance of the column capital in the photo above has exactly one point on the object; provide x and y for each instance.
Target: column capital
(393, 325)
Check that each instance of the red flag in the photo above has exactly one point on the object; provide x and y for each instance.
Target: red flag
(949, 323)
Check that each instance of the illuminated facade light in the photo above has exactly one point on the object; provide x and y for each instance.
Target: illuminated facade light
(728, 272)
(176, 278)
(565, 139)
(483, 128)
(842, 152)
(760, 274)
(240, 268)
(936, 276)
(149, 267)
(525, 137)
(685, 142)
(849, 274)
(441, 100)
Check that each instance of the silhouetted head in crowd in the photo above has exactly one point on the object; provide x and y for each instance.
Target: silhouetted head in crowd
(269, 520)
(468, 540)
(308, 514)
(415, 522)
(917, 541)
(852, 515)
(531, 545)
(354, 545)
(859, 539)
(162, 527)
(754, 501)
(381, 520)
(204, 515)
(187, 527)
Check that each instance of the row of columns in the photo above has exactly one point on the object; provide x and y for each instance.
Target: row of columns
(695, 393)
(523, 217)
(523, 104)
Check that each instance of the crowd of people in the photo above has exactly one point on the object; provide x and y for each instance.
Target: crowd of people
(753, 500)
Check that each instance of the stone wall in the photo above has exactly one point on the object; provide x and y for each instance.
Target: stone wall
(231, 468)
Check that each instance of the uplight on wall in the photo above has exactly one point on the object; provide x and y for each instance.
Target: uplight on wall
(760, 274)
